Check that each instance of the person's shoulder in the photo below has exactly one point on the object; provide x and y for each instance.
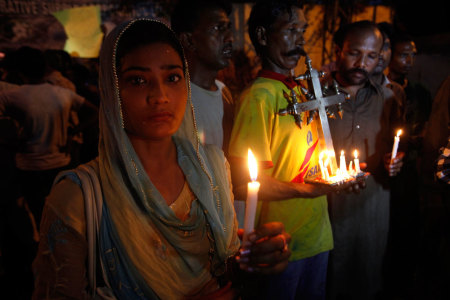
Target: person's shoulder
(264, 87)
(392, 98)
(67, 202)
(6, 86)
(21, 93)
(377, 90)
(66, 198)
(387, 91)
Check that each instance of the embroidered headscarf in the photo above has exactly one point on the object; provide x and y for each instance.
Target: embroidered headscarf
(146, 249)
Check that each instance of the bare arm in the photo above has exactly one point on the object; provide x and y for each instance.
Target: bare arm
(271, 188)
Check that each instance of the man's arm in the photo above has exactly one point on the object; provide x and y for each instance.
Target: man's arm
(391, 121)
(272, 189)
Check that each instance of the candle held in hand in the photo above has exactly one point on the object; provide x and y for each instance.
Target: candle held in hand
(252, 196)
(356, 162)
(395, 146)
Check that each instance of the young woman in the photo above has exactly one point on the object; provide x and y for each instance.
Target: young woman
(162, 206)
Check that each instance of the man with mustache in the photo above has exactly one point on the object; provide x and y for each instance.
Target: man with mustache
(204, 29)
(287, 153)
(360, 222)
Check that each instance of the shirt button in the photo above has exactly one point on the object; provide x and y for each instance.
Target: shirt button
(357, 126)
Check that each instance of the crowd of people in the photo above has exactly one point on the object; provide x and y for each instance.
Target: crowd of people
(131, 187)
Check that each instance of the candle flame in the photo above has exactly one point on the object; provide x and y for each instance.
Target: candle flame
(252, 165)
(355, 153)
(342, 152)
(399, 133)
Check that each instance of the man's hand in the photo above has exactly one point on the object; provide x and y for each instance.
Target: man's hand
(395, 166)
(356, 185)
(266, 251)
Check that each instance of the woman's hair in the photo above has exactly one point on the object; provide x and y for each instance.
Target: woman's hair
(141, 33)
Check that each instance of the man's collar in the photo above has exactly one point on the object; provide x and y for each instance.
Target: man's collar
(287, 80)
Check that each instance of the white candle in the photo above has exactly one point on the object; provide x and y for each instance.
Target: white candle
(327, 176)
(330, 155)
(342, 163)
(356, 162)
(325, 166)
(252, 196)
(395, 146)
(322, 167)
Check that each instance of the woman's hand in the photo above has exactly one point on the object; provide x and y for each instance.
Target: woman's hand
(266, 251)
(393, 167)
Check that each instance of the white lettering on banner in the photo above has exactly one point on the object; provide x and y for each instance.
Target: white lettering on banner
(32, 7)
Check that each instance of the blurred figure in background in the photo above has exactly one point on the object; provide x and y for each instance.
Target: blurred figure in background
(45, 113)
(434, 266)
(204, 29)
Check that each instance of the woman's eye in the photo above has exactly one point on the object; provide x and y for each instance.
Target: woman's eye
(174, 78)
(137, 80)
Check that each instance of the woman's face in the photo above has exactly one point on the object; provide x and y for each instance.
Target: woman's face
(153, 91)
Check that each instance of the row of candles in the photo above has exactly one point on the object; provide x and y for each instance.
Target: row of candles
(326, 167)
(341, 174)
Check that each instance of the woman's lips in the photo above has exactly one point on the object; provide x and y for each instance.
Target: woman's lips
(160, 116)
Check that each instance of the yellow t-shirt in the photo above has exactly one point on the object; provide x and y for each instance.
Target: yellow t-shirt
(286, 153)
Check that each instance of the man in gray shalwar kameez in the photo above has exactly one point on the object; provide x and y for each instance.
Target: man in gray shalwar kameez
(360, 222)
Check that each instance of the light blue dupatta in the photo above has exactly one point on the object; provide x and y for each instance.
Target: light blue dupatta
(134, 211)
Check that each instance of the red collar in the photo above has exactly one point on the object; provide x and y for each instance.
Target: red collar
(288, 81)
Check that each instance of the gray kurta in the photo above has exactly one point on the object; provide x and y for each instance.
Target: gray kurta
(360, 222)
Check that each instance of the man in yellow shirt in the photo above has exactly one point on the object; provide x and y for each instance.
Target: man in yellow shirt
(287, 153)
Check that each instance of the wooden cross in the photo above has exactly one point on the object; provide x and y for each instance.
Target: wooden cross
(317, 102)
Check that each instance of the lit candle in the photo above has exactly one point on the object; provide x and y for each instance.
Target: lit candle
(325, 167)
(252, 196)
(330, 155)
(322, 167)
(395, 146)
(342, 163)
(356, 162)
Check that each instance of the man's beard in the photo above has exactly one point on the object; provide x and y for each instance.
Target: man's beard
(355, 81)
